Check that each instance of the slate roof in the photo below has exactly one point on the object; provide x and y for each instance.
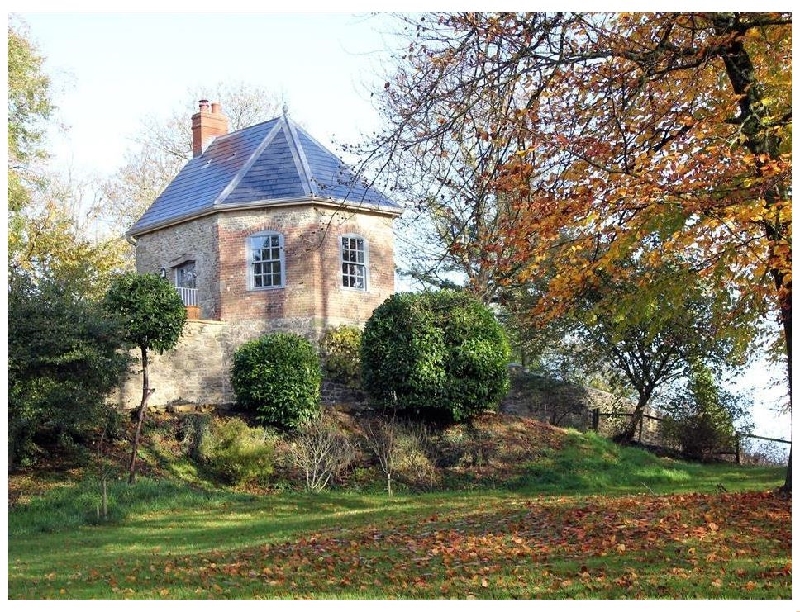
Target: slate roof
(275, 162)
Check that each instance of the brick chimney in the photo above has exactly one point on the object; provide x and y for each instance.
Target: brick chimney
(206, 126)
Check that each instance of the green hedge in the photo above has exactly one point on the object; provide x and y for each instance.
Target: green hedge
(278, 377)
(434, 356)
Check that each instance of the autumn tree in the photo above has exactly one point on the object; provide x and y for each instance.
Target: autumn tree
(152, 316)
(54, 239)
(452, 230)
(624, 126)
(50, 235)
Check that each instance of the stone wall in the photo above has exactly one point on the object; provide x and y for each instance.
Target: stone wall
(197, 370)
(191, 241)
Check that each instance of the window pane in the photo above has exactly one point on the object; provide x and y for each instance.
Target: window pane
(185, 275)
(354, 259)
(267, 261)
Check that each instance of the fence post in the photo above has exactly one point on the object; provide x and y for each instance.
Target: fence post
(738, 449)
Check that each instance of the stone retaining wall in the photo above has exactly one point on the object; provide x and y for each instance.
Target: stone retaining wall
(197, 371)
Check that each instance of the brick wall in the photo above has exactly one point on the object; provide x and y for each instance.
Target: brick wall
(313, 272)
(313, 286)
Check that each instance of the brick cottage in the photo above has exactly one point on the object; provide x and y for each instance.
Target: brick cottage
(263, 230)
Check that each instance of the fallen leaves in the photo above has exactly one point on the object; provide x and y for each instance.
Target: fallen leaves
(599, 547)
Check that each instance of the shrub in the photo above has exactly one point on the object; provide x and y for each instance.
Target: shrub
(235, 452)
(322, 451)
(191, 431)
(438, 356)
(278, 376)
(340, 350)
(402, 449)
(63, 363)
(702, 418)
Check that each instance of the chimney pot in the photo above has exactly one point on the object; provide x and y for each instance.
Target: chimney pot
(216, 108)
(203, 105)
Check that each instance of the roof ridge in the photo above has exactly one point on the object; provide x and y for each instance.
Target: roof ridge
(248, 164)
(354, 177)
(299, 155)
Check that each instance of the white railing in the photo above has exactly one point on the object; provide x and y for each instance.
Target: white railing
(189, 296)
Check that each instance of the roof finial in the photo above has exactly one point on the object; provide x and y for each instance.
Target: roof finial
(285, 109)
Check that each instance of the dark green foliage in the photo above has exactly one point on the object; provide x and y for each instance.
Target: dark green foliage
(704, 418)
(278, 377)
(63, 362)
(340, 350)
(149, 309)
(235, 452)
(438, 356)
(152, 315)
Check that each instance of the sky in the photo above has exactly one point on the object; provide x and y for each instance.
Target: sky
(111, 70)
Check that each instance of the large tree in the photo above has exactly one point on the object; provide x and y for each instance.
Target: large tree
(63, 362)
(624, 127)
(50, 235)
(654, 332)
(54, 239)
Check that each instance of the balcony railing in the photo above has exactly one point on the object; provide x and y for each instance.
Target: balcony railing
(189, 296)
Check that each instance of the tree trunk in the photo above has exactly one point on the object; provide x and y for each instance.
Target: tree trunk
(104, 502)
(762, 141)
(628, 434)
(140, 419)
(787, 485)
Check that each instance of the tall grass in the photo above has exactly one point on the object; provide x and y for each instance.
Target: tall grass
(68, 507)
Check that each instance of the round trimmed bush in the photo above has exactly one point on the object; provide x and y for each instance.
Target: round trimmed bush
(278, 377)
(437, 356)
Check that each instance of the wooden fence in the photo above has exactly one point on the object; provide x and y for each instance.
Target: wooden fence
(649, 432)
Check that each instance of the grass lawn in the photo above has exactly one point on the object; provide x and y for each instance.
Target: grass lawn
(588, 520)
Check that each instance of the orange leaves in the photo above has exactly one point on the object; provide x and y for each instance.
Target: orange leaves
(494, 546)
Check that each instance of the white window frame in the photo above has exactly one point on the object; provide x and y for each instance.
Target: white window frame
(343, 274)
(252, 263)
(177, 274)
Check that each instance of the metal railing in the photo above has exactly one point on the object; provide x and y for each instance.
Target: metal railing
(189, 296)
